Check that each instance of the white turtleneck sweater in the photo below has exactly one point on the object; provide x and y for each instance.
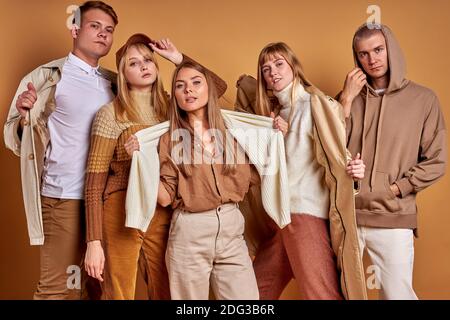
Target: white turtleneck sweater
(308, 192)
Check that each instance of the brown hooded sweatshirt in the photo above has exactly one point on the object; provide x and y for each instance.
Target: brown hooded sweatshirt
(402, 139)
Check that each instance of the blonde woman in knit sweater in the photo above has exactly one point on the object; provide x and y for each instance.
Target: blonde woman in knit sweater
(114, 252)
(302, 250)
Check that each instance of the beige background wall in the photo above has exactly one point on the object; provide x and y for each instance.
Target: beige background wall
(227, 36)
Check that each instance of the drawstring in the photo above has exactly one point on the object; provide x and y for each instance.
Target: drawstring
(375, 160)
(377, 138)
(363, 138)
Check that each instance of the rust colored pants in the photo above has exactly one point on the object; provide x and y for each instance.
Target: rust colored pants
(301, 250)
(128, 249)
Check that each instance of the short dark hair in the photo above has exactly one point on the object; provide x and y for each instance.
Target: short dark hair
(89, 5)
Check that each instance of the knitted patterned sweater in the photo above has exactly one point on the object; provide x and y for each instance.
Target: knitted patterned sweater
(109, 164)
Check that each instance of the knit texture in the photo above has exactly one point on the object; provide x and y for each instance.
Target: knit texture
(142, 190)
(309, 193)
(108, 162)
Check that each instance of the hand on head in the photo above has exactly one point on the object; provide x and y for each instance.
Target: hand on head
(166, 49)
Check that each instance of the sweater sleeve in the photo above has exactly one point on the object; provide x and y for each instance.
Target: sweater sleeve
(432, 154)
(103, 143)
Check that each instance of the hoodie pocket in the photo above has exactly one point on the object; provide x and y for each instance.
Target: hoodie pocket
(387, 187)
(380, 198)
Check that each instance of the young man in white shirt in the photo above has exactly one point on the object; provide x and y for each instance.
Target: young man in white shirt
(48, 126)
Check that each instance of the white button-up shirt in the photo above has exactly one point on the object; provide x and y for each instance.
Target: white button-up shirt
(79, 95)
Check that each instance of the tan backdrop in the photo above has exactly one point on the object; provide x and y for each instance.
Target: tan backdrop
(227, 36)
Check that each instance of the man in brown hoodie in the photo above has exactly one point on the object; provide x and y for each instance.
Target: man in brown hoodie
(399, 128)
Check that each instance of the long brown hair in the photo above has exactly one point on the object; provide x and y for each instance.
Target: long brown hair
(263, 104)
(123, 103)
(179, 118)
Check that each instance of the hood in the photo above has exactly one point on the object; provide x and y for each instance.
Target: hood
(397, 64)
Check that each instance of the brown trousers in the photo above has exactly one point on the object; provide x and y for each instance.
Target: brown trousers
(126, 249)
(301, 250)
(62, 274)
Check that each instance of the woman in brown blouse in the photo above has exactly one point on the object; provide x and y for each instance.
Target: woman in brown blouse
(206, 246)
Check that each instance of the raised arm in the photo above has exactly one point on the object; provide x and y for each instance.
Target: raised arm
(354, 82)
(166, 49)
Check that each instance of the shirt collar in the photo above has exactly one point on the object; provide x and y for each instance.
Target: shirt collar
(74, 60)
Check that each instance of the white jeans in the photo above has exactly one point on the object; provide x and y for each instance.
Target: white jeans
(392, 252)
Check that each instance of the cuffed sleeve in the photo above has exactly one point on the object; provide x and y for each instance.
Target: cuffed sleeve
(404, 186)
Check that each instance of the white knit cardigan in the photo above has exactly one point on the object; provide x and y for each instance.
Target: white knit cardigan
(144, 172)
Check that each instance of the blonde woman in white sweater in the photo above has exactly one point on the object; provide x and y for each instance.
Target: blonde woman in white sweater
(302, 250)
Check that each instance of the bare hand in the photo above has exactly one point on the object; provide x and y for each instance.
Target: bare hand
(395, 189)
(94, 262)
(280, 124)
(354, 82)
(26, 100)
(356, 167)
(131, 145)
(166, 49)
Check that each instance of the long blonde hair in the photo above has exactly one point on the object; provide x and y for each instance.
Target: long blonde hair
(263, 104)
(123, 103)
(179, 119)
